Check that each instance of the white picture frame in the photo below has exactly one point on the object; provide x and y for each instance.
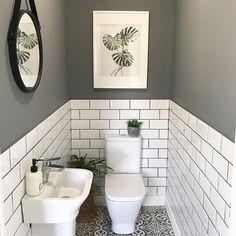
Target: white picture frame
(120, 49)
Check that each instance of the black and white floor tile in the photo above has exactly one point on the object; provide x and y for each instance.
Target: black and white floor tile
(152, 221)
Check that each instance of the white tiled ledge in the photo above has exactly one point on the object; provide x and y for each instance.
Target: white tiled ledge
(120, 104)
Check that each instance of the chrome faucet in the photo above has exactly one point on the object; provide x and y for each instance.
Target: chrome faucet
(48, 166)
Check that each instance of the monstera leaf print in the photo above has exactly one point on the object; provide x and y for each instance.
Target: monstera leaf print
(25, 43)
(112, 43)
(119, 42)
(123, 58)
(22, 56)
(29, 41)
(129, 34)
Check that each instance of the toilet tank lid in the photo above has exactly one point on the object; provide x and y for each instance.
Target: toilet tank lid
(122, 138)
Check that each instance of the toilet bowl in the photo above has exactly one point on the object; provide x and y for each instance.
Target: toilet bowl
(124, 194)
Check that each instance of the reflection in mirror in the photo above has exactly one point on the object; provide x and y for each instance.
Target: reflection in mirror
(28, 51)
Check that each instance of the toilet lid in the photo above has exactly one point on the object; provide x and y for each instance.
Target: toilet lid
(124, 187)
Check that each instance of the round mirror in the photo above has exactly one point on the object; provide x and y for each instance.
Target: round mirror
(26, 52)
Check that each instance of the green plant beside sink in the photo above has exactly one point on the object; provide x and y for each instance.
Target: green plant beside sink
(88, 210)
(83, 162)
(134, 127)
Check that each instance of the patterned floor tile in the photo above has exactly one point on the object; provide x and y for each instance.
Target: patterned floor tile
(152, 221)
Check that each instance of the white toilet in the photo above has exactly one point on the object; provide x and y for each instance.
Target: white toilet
(124, 187)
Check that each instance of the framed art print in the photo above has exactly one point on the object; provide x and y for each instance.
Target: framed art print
(120, 49)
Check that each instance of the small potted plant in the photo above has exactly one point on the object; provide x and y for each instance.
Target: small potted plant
(134, 127)
(88, 209)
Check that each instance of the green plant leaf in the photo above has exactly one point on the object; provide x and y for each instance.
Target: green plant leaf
(22, 56)
(124, 58)
(94, 165)
(129, 34)
(134, 123)
(28, 41)
(112, 43)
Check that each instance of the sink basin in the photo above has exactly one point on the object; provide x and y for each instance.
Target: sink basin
(59, 202)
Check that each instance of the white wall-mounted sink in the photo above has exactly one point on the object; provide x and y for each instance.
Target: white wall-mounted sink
(53, 212)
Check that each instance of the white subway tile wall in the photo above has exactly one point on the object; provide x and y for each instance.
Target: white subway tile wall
(51, 138)
(200, 160)
(199, 175)
(93, 119)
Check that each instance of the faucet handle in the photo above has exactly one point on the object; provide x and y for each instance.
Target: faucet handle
(47, 161)
(51, 159)
(56, 166)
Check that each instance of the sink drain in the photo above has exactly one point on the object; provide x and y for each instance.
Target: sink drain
(65, 197)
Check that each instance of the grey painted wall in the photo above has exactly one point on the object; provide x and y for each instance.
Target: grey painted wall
(205, 62)
(20, 112)
(80, 52)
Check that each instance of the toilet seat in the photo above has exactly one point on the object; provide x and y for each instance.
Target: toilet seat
(124, 187)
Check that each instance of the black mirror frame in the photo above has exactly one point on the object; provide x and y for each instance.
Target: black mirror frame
(12, 39)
